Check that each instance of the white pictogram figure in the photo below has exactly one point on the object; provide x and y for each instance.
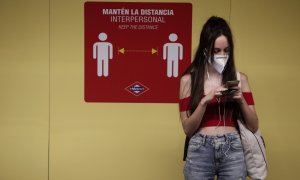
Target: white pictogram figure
(172, 52)
(102, 51)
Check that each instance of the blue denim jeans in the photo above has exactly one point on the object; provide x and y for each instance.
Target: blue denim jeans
(210, 156)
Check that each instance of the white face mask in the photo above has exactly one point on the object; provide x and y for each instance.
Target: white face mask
(219, 62)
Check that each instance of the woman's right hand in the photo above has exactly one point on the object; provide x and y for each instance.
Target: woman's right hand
(214, 93)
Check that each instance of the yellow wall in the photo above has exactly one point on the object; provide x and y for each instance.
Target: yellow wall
(24, 89)
(47, 131)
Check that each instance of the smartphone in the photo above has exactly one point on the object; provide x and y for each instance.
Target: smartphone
(229, 91)
(231, 87)
(229, 84)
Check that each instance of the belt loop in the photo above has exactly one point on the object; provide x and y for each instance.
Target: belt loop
(226, 139)
(204, 140)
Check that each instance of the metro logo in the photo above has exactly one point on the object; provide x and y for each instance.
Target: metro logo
(136, 88)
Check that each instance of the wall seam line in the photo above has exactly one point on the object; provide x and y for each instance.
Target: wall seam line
(49, 95)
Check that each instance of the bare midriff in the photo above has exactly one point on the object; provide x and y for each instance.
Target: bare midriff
(217, 130)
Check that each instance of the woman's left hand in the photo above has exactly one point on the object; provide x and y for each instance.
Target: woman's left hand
(238, 95)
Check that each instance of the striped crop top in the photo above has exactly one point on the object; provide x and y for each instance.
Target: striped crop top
(212, 115)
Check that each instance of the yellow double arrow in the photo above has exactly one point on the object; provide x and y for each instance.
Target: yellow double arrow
(153, 51)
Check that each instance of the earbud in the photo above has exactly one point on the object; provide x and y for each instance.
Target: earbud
(205, 52)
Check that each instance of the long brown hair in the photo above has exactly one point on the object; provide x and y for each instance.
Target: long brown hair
(212, 29)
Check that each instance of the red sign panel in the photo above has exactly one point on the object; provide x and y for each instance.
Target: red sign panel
(135, 52)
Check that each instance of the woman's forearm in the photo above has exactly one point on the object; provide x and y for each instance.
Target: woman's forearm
(249, 115)
(191, 124)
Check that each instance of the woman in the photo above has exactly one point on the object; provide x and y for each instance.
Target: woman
(209, 112)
